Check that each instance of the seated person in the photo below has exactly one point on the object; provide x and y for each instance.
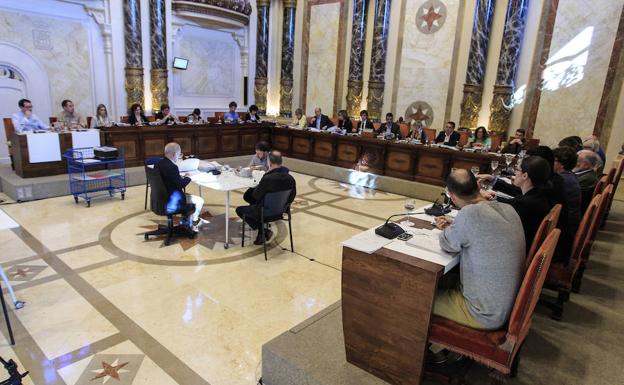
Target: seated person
(175, 185)
(136, 117)
(195, 117)
(231, 116)
(259, 160)
(592, 143)
(389, 129)
(365, 124)
(418, 133)
(565, 161)
(481, 139)
(448, 136)
(516, 144)
(574, 142)
(101, 118)
(490, 270)
(300, 120)
(69, 117)
(320, 121)
(252, 116)
(585, 171)
(248, 196)
(274, 180)
(532, 205)
(165, 116)
(24, 120)
(344, 123)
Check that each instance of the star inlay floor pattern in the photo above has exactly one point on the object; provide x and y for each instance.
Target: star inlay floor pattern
(117, 369)
(23, 273)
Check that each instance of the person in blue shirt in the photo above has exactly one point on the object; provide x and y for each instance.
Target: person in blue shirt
(231, 116)
(24, 120)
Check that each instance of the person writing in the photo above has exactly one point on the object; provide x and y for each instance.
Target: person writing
(274, 180)
(320, 121)
(344, 123)
(165, 116)
(389, 130)
(490, 270)
(136, 117)
(418, 133)
(24, 120)
(175, 184)
(259, 160)
(195, 117)
(69, 117)
(231, 116)
(481, 139)
(101, 118)
(252, 116)
(448, 136)
(300, 120)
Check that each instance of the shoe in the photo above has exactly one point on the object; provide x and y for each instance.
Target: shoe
(268, 234)
(19, 304)
(439, 358)
(258, 240)
(200, 222)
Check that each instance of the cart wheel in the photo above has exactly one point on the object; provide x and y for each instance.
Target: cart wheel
(123, 196)
(110, 193)
(76, 199)
(167, 243)
(226, 246)
(89, 203)
(146, 237)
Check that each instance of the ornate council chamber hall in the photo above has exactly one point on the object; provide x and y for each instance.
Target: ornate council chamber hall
(311, 192)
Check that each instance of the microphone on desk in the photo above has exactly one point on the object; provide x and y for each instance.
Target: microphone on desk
(392, 230)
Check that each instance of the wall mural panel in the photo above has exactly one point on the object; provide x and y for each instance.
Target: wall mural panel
(62, 48)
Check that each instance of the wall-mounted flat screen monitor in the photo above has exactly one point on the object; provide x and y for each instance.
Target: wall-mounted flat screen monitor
(180, 63)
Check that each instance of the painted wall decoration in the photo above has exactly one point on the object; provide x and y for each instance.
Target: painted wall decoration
(419, 112)
(431, 16)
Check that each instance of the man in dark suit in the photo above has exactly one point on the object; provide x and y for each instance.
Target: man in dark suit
(448, 136)
(586, 174)
(390, 130)
(320, 121)
(276, 179)
(175, 184)
(365, 123)
(516, 144)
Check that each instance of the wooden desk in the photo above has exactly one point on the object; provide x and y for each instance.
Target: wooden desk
(387, 302)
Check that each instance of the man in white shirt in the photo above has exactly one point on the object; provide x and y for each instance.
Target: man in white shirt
(24, 120)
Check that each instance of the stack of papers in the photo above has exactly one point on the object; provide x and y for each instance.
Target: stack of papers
(367, 242)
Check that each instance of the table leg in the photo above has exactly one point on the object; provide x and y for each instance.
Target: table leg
(200, 192)
(227, 219)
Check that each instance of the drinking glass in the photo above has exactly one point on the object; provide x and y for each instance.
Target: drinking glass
(508, 160)
(475, 170)
(409, 206)
(494, 165)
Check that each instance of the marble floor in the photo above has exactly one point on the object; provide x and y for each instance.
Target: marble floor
(103, 306)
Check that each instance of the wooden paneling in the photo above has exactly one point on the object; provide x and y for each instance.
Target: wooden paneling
(152, 146)
(301, 147)
(281, 142)
(248, 141)
(229, 143)
(347, 152)
(207, 145)
(431, 168)
(323, 150)
(185, 142)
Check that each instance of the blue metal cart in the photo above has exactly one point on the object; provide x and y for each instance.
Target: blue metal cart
(88, 174)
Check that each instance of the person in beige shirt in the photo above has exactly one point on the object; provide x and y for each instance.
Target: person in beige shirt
(300, 120)
(68, 117)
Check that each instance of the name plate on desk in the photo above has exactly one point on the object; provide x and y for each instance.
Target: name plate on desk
(44, 147)
(88, 138)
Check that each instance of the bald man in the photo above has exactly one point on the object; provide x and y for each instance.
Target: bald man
(175, 185)
(320, 121)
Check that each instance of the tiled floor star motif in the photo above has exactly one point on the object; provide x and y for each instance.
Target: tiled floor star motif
(23, 273)
(117, 369)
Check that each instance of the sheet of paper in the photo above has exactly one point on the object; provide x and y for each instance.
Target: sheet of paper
(6, 222)
(89, 138)
(43, 147)
(444, 259)
(366, 242)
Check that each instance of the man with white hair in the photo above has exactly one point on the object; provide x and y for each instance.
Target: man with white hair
(592, 143)
(585, 171)
(175, 185)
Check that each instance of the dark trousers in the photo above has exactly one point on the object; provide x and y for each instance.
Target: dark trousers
(250, 214)
(248, 196)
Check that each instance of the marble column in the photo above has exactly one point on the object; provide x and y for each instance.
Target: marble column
(288, 54)
(502, 103)
(134, 52)
(477, 59)
(262, 55)
(376, 80)
(158, 49)
(356, 63)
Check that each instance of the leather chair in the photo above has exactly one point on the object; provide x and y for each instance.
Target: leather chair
(53, 119)
(149, 163)
(404, 130)
(219, 115)
(548, 224)
(183, 119)
(431, 134)
(560, 275)
(607, 195)
(89, 118)
(8, 131)
(158, 204)
(498, 349)
(272, 209)
(464, 136)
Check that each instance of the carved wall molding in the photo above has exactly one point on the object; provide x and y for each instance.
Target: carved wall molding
(237, 11)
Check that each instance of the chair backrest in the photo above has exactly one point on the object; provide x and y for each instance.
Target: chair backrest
(548, 224)
(212, 119)
(582, 234)
(464, 136)
(497, 139)
(89, 118)
(8, 128)
(151, 118)
(53, 119)
(275, 203)
(532, 143)
(431, 134)
(528, 294)
(404, 130)
(158, 193)
(618, 175)
(605, 198)
(602, 183)
(334, 120)
(152, 161)
(183, 119)
(219, 115)
(376, 125)
(123, 119)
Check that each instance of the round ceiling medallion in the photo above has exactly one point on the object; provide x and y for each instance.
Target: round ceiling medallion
(431, 16)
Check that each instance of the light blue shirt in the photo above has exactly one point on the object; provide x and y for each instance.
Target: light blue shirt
(318, 122)
(22, 124)
(233, 116)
